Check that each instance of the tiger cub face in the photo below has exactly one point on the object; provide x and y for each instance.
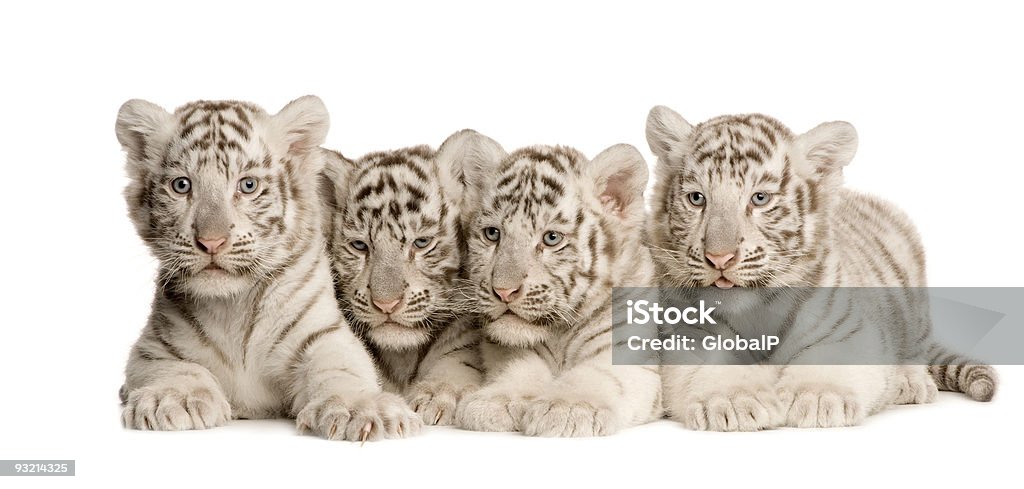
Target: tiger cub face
(222, 192)
(545, 232)
(397, 241)
(741, 200)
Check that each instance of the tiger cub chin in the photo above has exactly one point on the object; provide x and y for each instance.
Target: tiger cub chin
(743, 202)
(244, 321)
(397, 248)
(549, 235)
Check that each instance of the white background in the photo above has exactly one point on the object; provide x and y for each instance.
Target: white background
(933, 89)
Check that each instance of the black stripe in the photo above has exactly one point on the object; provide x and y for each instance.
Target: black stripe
(302, 314)
(474, 367)
(589, 338)
(308, 342)
(200, 332)
(597, 351)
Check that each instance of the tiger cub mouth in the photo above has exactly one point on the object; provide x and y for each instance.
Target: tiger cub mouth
(391, 323)
(213, 269)
(724, 283)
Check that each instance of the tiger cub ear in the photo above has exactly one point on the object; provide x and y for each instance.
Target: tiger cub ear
(142, 129)
(336, 178)
(302, 126)
(828, 147)
(666, 130)
(465, 160)
(620, 176)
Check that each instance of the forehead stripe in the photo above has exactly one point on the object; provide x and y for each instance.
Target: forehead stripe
(400, 161)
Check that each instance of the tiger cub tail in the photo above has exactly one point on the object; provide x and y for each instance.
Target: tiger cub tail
(957, 373)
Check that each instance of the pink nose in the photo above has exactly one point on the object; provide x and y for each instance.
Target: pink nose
(211, 245)
(387, 306)
(720, 261)
(506, 295)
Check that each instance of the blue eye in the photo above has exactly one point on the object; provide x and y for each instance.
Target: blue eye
(181, 185)
(359, 245)
(551, 238)
(422, 242)
(697, 199)
(492, 234)
(248, 185)
(760, 198)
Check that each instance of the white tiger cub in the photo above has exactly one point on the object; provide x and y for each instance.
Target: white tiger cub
(741, 201)
(550, 234)
(397, 251)
(244, 321)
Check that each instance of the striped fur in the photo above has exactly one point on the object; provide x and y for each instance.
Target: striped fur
(746, 186)
(569, 230)
(248, 328)
(397, 250)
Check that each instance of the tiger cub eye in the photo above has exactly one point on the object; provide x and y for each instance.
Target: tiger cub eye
(492, 233)
(181, 185)
(696, 198)
(248, 185)
(760, 198)
(552, 238)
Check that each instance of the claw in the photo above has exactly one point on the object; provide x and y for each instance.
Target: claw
(437, 419)
(366, 433)
(334, 429)
(400, 432)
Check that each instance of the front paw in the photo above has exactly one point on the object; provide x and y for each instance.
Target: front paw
(916, 387)
(175, 408)
(436, 403)
(821, 406)
(564, 418)
(741, 410)
(488, 412)
(371, 417)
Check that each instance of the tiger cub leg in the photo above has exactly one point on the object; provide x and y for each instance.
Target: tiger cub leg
(594, 399)
(914, 385)
(498, 405)
(723, 397)
(172, 395)
(336, 391)
(825, 396)
(451, 370)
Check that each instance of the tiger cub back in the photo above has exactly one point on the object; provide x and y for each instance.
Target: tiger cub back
(397, 248)
(882, 246)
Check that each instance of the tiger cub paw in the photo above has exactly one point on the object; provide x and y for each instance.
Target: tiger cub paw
(740, 410)
(821, 406)
(368, 418)
(565, 418)
(172, 408)
(488, 412)
(915, 386)
(436, 402)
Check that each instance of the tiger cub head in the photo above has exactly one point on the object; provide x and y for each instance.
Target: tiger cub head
(740, 200)
(396, 240)
(222, 193)
(549, 233)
